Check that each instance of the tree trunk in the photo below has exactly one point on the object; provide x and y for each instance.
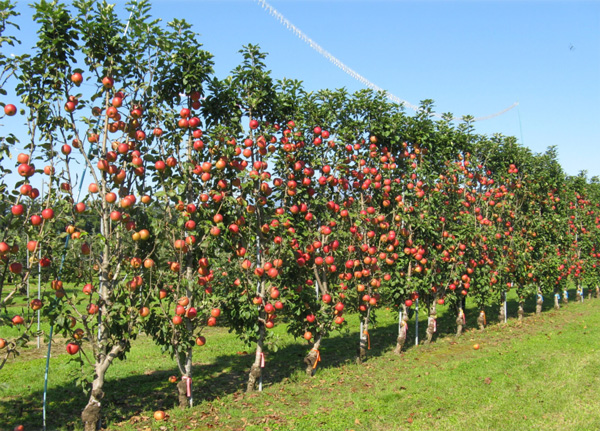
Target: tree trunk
(313, 356)
(597, 292)
(556, 301)
(460, 322)
(481, 322)
(538, 303)
(565, 298)
(579, 293)
(184, 359)
(501, 314)
(184, 386)
(431, 324)
(520, 312)
(257, 366)
(92, 413)
(365, 341)
(402, 331)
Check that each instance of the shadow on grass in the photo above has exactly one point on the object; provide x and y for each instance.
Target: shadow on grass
(126, 398)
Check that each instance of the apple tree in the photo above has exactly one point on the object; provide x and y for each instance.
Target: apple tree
(311, 187)
(90, 88)
(185, 176)
(249, 227)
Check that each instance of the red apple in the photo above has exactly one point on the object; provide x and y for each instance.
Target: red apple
(115, 216)
(184, 301)
(26, 189)
(10, 110)
(16, 267)
(92, 308)
(17, 210)
(48, 214)
(70, 106)
(108, 82)
(88, 289)
(160, 165)
(191, 313)
(72, 348)
(77, 78)
(23, 158)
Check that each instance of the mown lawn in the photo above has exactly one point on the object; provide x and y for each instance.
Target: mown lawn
(537, 375)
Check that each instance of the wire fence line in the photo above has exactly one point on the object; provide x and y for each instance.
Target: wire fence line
(351, 72)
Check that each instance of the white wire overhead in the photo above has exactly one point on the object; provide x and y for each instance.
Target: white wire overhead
(314, 45)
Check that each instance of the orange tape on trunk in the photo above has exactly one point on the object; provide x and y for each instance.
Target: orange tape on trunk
(318, 359)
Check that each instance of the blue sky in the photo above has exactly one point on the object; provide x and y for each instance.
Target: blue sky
(471, 57)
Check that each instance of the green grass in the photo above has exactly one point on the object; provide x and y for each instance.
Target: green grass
(541, 374)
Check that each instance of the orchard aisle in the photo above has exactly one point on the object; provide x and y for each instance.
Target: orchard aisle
(532, 375)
